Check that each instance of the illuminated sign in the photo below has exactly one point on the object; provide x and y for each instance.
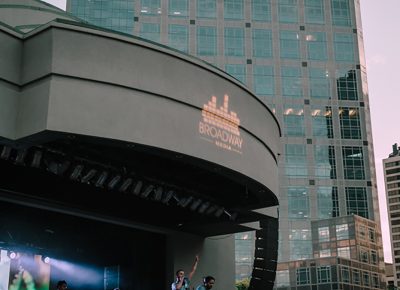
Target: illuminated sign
(220, 126)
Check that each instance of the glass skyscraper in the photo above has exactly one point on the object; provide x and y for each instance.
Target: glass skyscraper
(305, 60)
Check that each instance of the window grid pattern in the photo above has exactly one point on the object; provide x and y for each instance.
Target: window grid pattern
(178, 37)
(300, 244)
(303, 276)
(328, 202)
(319, 84)
(324, 274)
(238, 71)
(343, 45)
(262, 43)
(293, 119)
(341, 13)
(288, 11)
(296, 160)
(150, 31)
(322, 125)
(356, 201)
(206, 9)
(233, 9)
(350, 127)
(316, 46)
(314, 11)
(289, 45)
(263, 77)
(353, 162)
(261, 10)
(346, 82)
(150, 7)
(298, 202)
(178, 8)
(291, 82)
(206, 41)
(234, 41)
(325, 162)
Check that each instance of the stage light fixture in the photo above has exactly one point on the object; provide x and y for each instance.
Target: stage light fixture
(46, 259)
(211, 209)
(101, 179)
(76, 172)
(158, 194)
(113, 182)
(37, 157)
(13, 255)
(203, 207)
(184, 202)
(219, 212)
(195, 204)
(55, 167)
(88, 176)
(5, 153)
(232, 216)
(19, 159)
(126, 184)
(138, 187)
(147, 191)
(167, 197)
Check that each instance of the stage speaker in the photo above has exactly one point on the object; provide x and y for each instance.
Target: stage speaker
(265, 255)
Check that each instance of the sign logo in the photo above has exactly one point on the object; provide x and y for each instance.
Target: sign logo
(220, 126)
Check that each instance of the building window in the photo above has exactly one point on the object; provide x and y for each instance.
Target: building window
(206, 41)
(323, 234)
(234, 41)
(261, 10)
(263, 80)
(375, 281)
(322, 122)
(353, 162)
(233, 9)
(342, 232)
(325, 162)
(282, 278)
(319, 84)
(344, 47)
(303, 276)
(289, 44)
(343, 252)
(314, 11)
(374, 257)
(345, 274)
(288, 11)
(324, 274)
(150, 31)
(346, 82)
(238, 71)
(350, 127)
(325, 253)
(206, 8)
(150, 7)
(178, 8)
(371, 233)
(328, 202)
(316, 46)
(178, 37)
(300, 244)
(298, 202)
(293, 119)
(356, 277)
(364, 255)
(296, 160)
(356, 201)
(291, 82)
(262, 43)
(365, 278)
(341, 15)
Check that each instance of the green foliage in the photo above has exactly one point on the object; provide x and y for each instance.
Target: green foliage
(243, 284)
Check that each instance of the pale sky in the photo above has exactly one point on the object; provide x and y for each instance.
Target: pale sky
(382, 46)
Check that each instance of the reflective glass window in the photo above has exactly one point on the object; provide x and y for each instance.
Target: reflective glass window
(263, 77)
(150, 31)
(356, 277)
(325, 253)
(178, 8)
(206, 40)
(233, 9)
(345, 274)
(293, 119)
(316, 46)
(262, 43)
(319, 83)
(300, 244)
(234, 41)
(343, 44)
(289, 45)
(356, 201)
(353, 162)
(291, 81)
(374, 280)
(324, 274)
(344, 252)
(296, 160)
(325, 162)
(314, 11)
(150, 7)
(261, 10)
(323, 234)
(282, 278)
(341, 15)
(303, 276)
(206, 8)
(322, 121)
(298, 202)
(366, 279)
(350, 127)
(178, 37)
(346, 82)
(328, 202)
(342, 232)
(238, 71)
(288, 11)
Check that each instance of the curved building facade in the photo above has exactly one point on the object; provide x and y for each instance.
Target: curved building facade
(103, 128)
